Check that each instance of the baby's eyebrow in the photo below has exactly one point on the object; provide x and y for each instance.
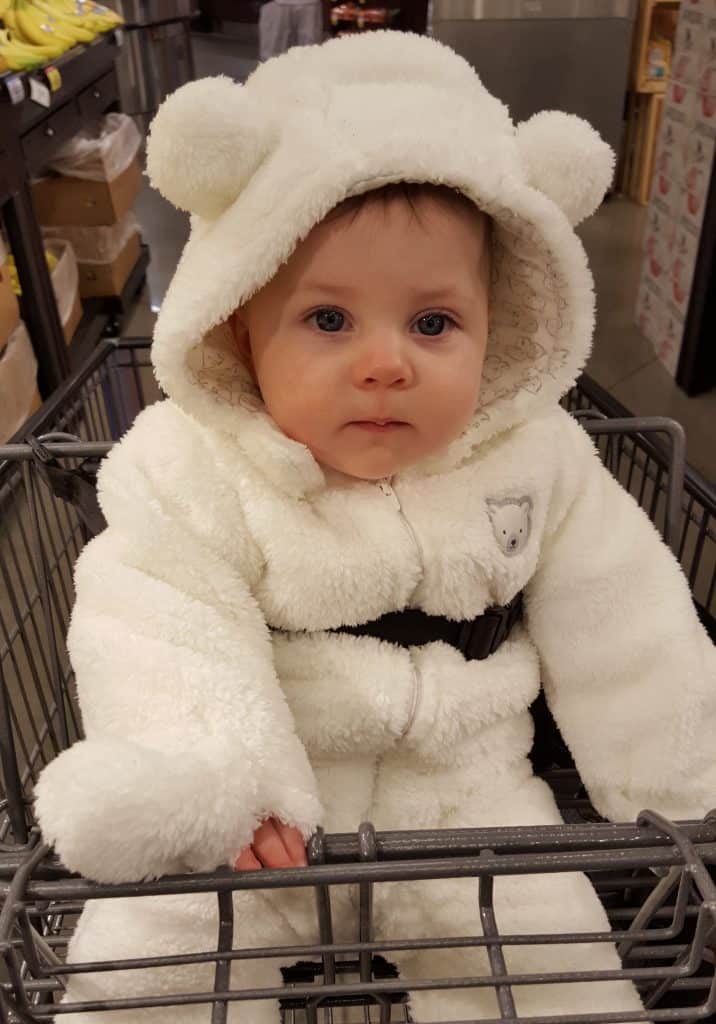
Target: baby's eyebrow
(325, 286)
(440, 293)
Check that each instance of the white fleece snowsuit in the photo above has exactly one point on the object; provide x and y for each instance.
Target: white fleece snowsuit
(212, 692)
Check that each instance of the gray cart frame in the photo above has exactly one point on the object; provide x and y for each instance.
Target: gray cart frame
(654, 877)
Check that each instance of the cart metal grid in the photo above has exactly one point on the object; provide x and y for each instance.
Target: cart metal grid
(40, 539)
(653, 877)
(641, 461)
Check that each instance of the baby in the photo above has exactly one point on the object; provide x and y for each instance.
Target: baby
(305, 609)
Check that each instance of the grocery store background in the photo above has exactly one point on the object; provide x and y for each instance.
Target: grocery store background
(92, 248)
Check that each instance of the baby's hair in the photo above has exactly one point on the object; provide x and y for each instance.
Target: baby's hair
(412, 192)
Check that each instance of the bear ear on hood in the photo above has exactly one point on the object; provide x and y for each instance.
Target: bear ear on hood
(205, 142)
(566, 160)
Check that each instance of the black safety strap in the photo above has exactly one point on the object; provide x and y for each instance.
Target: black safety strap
(476, 638)
(78, 486)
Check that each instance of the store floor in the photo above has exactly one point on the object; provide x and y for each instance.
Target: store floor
(622, 361)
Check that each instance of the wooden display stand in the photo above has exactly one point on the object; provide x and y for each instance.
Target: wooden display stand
(643, 122)
(646, 99)
(656, 17)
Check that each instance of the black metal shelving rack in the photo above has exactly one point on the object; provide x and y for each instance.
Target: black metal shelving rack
(30, 133)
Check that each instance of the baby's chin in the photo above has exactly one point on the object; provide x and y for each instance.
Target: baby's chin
(377, 457)
(373, 465)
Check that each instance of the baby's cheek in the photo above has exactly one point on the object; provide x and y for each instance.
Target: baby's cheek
(461, 404)
(302, 417)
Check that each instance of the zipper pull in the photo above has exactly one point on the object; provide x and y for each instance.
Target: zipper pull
(388, 491)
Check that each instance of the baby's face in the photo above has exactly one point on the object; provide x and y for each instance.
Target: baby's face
(368, 344)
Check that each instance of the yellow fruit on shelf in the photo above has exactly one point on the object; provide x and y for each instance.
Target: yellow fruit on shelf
(35, 32)
(103, 12)
(11, 44)
(19, 56)
(12, 61)
(8, 17)
(13, 274)
(50, 259)
(94, 16)
(64, 24)
(34, 26)
(69, 24)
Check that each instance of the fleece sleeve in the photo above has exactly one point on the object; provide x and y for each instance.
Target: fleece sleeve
(628, 670)
(189, 740)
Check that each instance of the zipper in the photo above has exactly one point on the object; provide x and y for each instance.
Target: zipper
(390, 493)
(388, 490)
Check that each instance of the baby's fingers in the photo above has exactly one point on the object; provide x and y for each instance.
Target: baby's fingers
(268, 846)
(246, 861)
(293, 841)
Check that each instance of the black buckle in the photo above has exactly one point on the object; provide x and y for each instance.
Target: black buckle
(486, 634)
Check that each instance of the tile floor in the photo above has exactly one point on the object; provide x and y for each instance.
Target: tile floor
(622, 361)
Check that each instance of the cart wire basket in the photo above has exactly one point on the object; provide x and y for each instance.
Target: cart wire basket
(653, 877)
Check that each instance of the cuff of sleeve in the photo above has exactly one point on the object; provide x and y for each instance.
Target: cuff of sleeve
(620, 805)
(116, 811)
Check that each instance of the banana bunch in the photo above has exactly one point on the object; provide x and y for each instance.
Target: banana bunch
(30, 26)
(15, 55)
(58, 23)
(38, 23)
(85, 18)
(84, 26)
(96, 16)
(36, 32)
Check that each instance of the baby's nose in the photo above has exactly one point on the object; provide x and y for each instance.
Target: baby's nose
(381, 360)
(388, 369)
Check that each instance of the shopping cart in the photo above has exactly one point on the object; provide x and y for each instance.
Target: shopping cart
(653, 877)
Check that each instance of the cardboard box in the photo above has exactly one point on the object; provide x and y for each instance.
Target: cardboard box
(9, 309)
(98, 279)
(65, 278)
(18, 383)
(60, 200)
(35, 403)
(98, 244)
(70, 325)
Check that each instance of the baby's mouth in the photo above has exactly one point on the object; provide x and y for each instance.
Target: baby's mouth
(379, 425)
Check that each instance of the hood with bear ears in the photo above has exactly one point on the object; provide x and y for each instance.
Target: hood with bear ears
(258, 165)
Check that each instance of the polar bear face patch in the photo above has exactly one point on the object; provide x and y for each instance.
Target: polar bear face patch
(511, 521)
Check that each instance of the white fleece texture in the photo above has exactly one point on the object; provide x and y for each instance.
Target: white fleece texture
(213, 690)
(553, 147)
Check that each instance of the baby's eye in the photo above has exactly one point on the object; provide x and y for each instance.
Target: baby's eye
(328, 319)
(433, 324)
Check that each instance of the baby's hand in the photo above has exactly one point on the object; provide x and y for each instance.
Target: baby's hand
(274, 846)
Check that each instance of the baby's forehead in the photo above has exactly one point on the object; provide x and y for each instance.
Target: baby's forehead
(425, 225)
(427, 242)
(407, 242)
